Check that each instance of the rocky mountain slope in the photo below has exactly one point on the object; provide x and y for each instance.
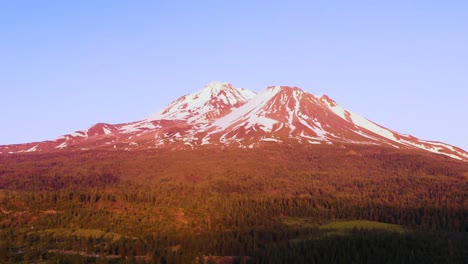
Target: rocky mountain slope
(222, 115)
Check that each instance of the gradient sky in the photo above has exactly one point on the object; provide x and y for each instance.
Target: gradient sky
(65, 65)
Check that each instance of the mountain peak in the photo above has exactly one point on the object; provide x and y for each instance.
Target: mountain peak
(214, 100)
(216, 88)
(290, 88)
(225, 91)
(215, 85)
(221, 114)
(284, 89)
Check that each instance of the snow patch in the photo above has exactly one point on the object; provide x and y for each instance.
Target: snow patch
(106, 131)
(79, 134)
(129, 129)
(206, 140)
(270, 140)
(31, 149)
(61, 146)
(245, 111)
(364, 123)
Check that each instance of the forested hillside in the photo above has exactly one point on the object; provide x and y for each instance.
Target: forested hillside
(273, 204)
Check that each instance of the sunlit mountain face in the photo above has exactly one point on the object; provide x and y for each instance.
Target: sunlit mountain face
(221, 115)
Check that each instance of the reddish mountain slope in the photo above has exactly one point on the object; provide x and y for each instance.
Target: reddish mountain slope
(213, 101)
(221, 115)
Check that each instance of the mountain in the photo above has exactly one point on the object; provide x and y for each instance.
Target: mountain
(221, 115)
(213, 101)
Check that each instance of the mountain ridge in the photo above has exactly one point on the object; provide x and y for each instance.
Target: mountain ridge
(223, 115)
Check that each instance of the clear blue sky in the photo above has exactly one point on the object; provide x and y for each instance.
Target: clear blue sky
(65, 65)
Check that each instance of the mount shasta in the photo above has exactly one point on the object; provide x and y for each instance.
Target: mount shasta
(222, 115)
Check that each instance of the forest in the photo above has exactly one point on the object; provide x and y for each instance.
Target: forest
(272, 204)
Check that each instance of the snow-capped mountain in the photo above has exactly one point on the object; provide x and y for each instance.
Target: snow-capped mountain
(222, 115)
(213, 101)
